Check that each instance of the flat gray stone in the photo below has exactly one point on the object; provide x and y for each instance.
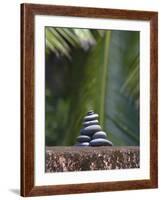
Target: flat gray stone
(83, 144)
(88, 123)
(90, 130)
(100, 142)
(99, 134)
(90, 112)
(83, 138)
(91, 117)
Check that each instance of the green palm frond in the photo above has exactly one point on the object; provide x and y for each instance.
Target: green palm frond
(61, 40)
(122, 108)
(90, 93)
(131, 85)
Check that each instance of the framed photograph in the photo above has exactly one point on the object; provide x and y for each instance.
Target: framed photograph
(88, 99)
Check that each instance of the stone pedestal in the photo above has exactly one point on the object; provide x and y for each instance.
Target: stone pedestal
(63, 159)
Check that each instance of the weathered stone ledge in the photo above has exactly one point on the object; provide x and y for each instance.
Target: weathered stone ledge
(62, 159)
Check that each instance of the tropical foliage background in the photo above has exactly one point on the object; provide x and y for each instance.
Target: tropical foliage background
(91, 69)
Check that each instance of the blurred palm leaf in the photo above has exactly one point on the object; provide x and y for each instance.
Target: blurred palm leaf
(90, 94)
(61, 40)
(122, 109)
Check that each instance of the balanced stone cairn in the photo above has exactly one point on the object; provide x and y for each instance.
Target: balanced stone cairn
(91, 134)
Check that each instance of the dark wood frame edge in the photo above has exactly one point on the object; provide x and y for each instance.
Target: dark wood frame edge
(28, 11)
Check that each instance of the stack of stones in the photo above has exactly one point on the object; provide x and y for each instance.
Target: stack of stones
(91, 134)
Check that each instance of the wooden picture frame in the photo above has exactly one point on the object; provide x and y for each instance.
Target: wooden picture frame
(28, 12)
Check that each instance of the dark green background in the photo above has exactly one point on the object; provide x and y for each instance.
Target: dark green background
(91, 69)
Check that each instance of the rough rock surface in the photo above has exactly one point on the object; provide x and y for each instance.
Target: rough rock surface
(63, 159)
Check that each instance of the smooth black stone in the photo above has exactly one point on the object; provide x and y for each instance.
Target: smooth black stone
(88, 123)
(90, 130)
(90, 112)
(91, 117)
(99, 134)
(83, 138)
(83, 144)
(100, 142)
